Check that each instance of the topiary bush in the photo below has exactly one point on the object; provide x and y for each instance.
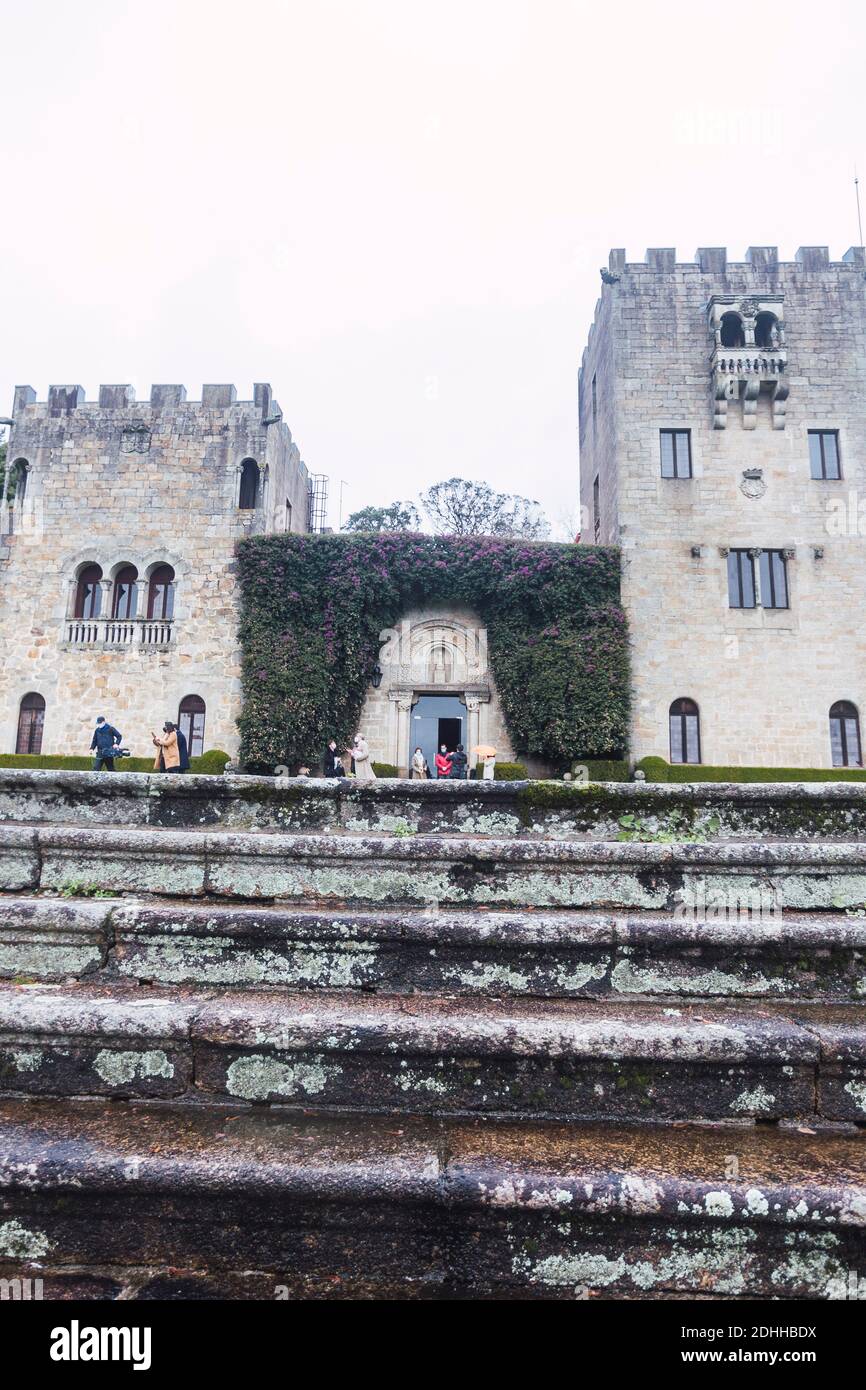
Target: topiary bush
(657, 770)
(385, 769)
(312, 609)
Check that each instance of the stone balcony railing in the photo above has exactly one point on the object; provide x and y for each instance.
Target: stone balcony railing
(119, 632)
(740, 373)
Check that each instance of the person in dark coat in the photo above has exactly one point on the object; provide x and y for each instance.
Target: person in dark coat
(458, 762)
(333, 763)
(182, 749)
(105, 740)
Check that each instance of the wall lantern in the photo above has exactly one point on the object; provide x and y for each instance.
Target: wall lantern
(376, 678)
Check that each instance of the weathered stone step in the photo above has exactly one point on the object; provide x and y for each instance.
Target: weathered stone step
(97, 1197)
(428, 1054)
(458, 951)
(426, 869)
(788, 811)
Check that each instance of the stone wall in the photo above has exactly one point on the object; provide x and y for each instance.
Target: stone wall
(764, 679)
(119, 482)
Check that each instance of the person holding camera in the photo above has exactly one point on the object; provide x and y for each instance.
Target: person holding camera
(104, 744)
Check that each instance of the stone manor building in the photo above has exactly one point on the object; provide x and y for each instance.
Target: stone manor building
(117, 575)
(723, 447)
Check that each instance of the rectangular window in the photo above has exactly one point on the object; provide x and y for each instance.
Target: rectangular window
(594, 409)
(824, 454)
(676, 451)
(774, 579)
(741, 579)
(596, 510)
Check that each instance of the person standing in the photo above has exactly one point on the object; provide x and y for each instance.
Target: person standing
(458, 763)
(182, 748)
(333, 763)
(167, 752)
(104, 742)
(443, 762)
(360, 755)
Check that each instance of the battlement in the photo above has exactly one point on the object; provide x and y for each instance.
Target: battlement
(713, 260)
(712, 273)
(66, 399)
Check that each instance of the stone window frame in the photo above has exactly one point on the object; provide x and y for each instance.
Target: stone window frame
(820, 431)
(657, 424)
(842, 717)
(682, 715)
(260, 505)
(43, 683)
(111, 562)
(674, 432)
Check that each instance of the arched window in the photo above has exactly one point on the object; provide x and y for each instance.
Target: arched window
(160, 593)
(190, 718)
(88, 592)
(685, 727)
(31, 718)
(765, 324)
(17, 481)
(249, 494)
(732, 334)
(125, 593)
(845, 735)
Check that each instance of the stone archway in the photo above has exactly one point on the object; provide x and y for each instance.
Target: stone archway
(432, 652)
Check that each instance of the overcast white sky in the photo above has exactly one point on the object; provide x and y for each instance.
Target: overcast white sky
(396, 213)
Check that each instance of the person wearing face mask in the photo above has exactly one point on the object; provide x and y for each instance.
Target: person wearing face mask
(443, 762)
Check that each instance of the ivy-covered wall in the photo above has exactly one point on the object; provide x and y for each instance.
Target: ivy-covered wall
(313, 608)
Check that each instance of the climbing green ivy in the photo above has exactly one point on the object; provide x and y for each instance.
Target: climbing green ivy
(313, 608)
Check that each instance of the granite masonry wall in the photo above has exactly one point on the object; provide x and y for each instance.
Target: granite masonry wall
(764, 678)
(119, 482)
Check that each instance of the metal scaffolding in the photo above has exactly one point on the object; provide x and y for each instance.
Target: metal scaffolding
(318, 513)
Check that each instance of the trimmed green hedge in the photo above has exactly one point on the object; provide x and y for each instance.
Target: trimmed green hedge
(213, 762)
(312, 609)
(607, 771)
(385, 770)
(503, 772)
(657, 770)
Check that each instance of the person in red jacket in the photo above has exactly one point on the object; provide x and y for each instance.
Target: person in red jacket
(443, 762)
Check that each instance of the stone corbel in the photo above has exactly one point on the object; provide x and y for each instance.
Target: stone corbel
(778, 403)
(751, 392)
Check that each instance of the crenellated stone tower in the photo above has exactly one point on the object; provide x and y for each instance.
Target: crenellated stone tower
(723, 446)
(117, 588)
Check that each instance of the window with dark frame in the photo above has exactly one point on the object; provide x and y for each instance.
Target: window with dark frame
(125, 593)
(88, 593)
(824, 455)
(596, 510)
(845, 748)
(160, 594)
(741, 579)
(774, 579)
(676, 453)
(685, 732)
(190, 719)
(248, 495)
